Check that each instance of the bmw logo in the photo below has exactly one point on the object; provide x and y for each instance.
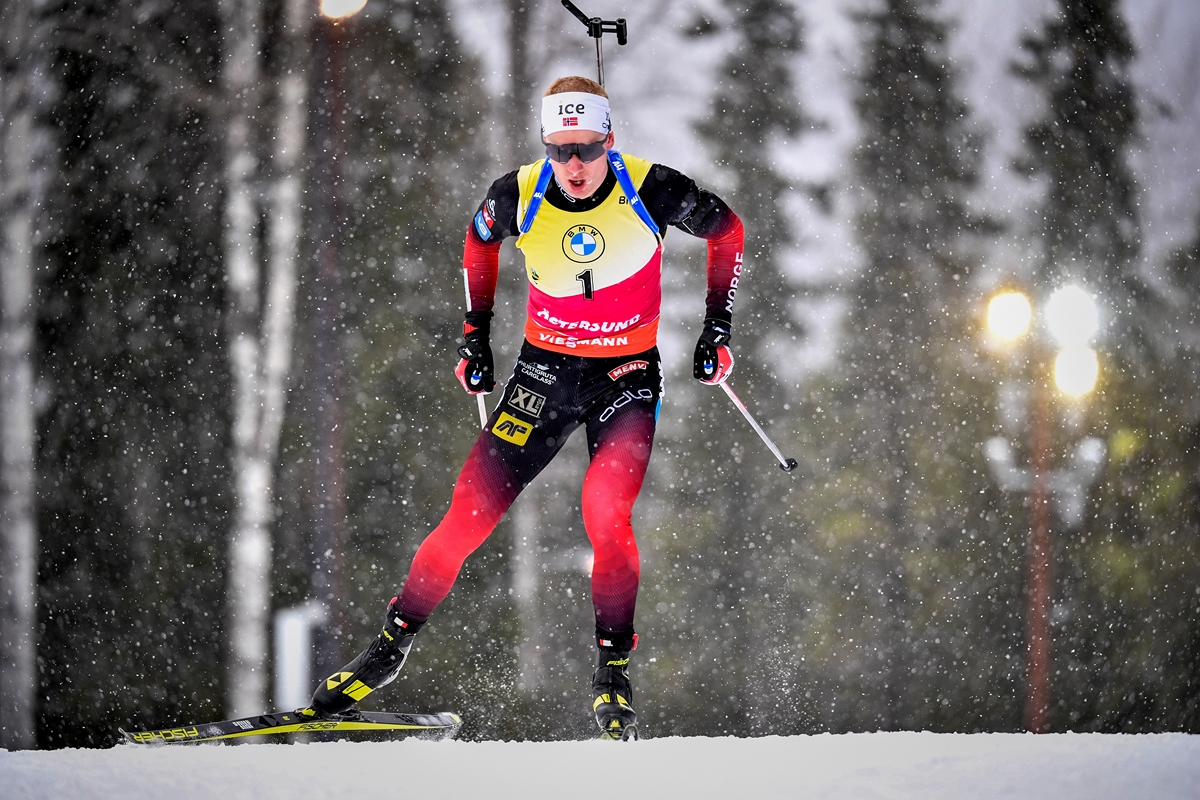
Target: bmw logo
(583, 244)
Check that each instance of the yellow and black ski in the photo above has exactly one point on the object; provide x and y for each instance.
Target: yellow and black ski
(444, 725)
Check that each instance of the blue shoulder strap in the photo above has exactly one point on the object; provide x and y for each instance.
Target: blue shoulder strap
(539, 192)
(618, 165)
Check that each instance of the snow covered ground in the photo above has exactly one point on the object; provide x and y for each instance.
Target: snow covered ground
(897, 766)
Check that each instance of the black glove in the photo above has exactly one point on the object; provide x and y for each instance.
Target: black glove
(475, 371)
(713, 361)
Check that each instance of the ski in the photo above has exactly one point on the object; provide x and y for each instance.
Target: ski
(445, 724)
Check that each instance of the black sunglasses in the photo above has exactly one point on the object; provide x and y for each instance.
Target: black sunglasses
(587, 152)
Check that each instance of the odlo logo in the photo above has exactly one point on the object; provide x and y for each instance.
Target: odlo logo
(511, 429)
(625, 399)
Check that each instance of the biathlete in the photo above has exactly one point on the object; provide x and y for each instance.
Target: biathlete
(590, 222)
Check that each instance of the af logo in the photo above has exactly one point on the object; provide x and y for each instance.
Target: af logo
(583, 244)
(511, 429)
(529, 402)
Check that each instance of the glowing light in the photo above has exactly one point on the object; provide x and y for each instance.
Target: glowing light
(1071, 317)
(1009, 315)
(1076, 370)
(340, 9)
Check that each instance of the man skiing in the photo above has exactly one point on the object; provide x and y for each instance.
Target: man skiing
(590, 223)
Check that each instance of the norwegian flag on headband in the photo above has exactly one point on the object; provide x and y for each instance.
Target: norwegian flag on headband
(575, 111)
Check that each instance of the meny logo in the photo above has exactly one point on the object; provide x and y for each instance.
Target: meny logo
(626, 368)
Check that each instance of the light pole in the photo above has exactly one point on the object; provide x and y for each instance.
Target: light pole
(1069, 320)
(329, 492)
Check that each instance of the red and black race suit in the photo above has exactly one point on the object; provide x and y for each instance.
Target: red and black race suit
(552, 392)
(549, 396)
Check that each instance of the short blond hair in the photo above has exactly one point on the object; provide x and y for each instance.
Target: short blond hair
(574, 83)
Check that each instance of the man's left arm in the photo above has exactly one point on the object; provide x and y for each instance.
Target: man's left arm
(674, 199)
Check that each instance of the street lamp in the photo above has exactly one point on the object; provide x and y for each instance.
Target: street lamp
(1009, 315)
(1071, 321)
(341, 9)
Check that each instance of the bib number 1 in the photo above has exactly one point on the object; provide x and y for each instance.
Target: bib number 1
(585, 278)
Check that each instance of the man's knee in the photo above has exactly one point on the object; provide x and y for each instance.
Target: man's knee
(606, 512)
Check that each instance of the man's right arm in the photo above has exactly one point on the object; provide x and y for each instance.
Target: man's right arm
(495, 219)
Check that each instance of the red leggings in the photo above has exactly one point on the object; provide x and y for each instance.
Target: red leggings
(548, 397)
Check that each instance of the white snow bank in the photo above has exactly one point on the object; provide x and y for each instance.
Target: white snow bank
(897, 766)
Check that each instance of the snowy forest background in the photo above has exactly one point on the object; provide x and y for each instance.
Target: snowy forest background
(187, 282)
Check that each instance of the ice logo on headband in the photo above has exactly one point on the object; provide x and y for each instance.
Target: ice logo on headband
(570, 111)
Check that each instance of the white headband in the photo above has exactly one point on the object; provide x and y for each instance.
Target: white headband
(573, 111)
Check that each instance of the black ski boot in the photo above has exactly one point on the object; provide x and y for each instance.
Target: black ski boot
(612, 692)
(374, 667)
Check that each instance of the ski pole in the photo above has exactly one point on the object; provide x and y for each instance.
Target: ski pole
(482, 411)
(786, 464)
(478, 397)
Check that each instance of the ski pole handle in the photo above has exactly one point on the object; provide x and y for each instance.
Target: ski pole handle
(786, 464)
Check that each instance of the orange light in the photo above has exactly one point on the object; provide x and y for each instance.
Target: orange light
(341, 9)
(1009, 315)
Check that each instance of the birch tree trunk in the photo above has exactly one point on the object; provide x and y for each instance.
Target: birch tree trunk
(250, 543)
(260, 331)
(286, 219)
(18, 533)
